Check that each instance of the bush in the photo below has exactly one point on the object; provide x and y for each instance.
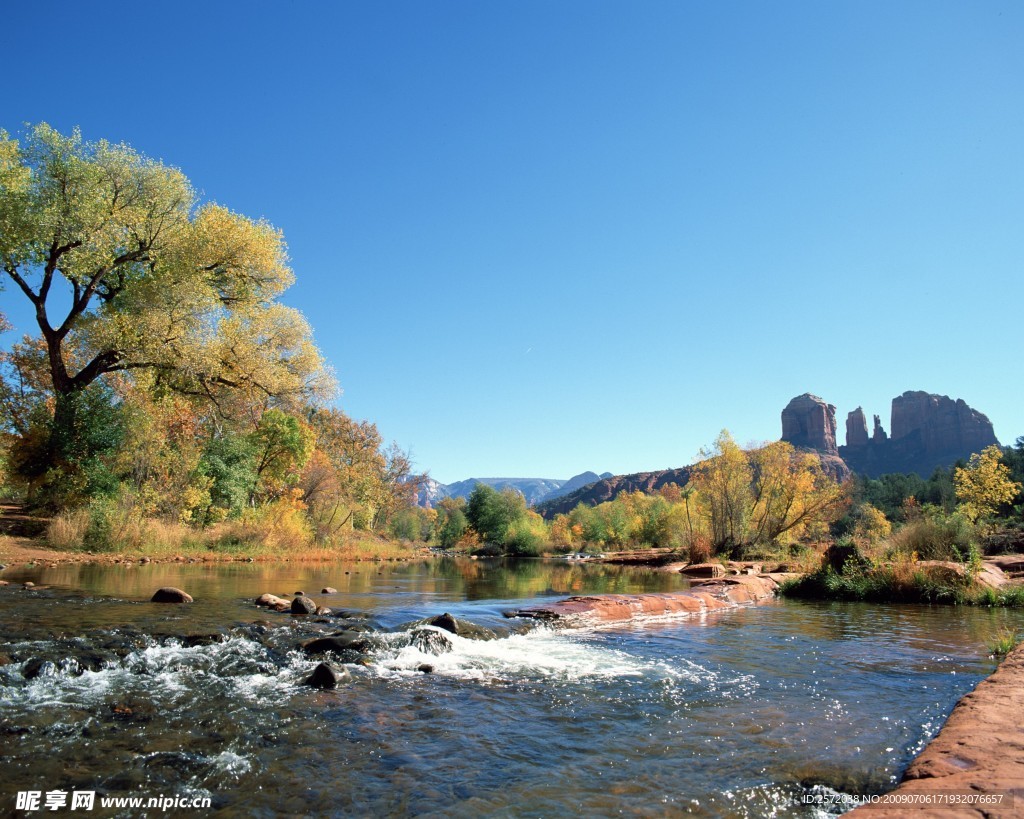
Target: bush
(527, 536)
(934, 535)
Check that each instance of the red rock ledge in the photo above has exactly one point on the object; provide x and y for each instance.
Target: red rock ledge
(710, 595)
(980, 750)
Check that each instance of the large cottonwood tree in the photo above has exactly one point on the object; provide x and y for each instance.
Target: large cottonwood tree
(127, 271)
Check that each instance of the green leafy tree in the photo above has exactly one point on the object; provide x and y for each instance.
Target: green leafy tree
(491, 512)
(126, 271)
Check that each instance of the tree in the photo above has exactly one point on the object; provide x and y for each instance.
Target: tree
(491, 512)
(152, 279)
(984, 484)
(722, 481)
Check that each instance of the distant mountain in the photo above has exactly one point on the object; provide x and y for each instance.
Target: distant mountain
(607, 489)
(535, 490)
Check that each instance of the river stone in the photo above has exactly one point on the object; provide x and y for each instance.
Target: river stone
(328, 590)
(4, 583)
(323, 611)
(272, 601)
(463, 628)
(430, 641)
(169, 594)
(38, 667)
(28, 584)
(425, 668)
(704, 570)
(343, 642)
(303, 605)
(326, 676)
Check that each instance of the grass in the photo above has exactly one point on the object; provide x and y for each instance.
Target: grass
(1004, 642)
(130, 535)
(901, 581)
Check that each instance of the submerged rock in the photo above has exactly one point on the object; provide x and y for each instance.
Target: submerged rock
(328, 590)
(430, 641)
(169, 594)
(344, 642)
(326, 676)
(463, 628)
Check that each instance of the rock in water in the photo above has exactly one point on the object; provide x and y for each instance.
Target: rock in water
(326, 676)
(430, 641)
(169, 594)
(351, 642)
(303, 605)
(272, 601)
(328, 590)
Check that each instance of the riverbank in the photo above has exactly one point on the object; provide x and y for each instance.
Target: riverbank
(15, 550)
(978, 754)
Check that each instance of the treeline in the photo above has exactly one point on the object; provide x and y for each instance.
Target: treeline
(735, 502)
(165, 380)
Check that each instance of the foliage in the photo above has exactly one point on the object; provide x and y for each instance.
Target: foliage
(760, 496)
(491, 513)
(984, 485)
(451, 524)
(158, 282)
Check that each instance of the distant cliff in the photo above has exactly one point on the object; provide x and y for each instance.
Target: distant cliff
(928, 431)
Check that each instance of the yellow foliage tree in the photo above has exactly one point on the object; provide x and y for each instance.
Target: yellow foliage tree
(984, 484)
(156, 281)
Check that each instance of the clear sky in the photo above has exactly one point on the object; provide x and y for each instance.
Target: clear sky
(536, 238)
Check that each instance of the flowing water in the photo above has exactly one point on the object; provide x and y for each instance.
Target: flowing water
(745, 712)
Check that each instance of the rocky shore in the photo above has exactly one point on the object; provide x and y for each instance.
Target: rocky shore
(978, 754)
(702, 597)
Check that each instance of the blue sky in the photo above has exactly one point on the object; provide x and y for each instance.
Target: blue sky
(536, 238)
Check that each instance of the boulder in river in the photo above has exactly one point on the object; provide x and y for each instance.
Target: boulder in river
(704, 570)
(169, 594)
(430, 640)
(344, 642)
(463, 628)
(272, 601)
(326, 676)
(303, 605)
(328, 590)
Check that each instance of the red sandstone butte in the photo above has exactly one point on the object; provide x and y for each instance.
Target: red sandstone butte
(711, 595)
(980, 750)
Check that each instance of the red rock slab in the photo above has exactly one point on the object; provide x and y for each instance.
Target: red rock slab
(710, 595)
(980, 750)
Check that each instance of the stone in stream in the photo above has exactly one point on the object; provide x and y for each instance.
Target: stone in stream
(463, 628)
(28, 584)
(430, 641)
(704, 570)
(323, 611)
(344, 642)
(303, 605)
(328, 590)
(169, 594)
(326, 676)
(272, 601)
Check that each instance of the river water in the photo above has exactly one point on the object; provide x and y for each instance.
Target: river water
(746, 712)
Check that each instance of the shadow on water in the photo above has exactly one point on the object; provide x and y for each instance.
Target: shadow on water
(736, 713)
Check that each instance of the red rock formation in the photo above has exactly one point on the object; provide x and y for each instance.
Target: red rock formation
(857, 428)
(809, 422)
(942, 424)
(709, 595)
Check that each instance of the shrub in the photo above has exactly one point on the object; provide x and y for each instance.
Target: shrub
(934, 535)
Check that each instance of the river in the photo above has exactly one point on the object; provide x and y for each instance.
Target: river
(746, 712)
